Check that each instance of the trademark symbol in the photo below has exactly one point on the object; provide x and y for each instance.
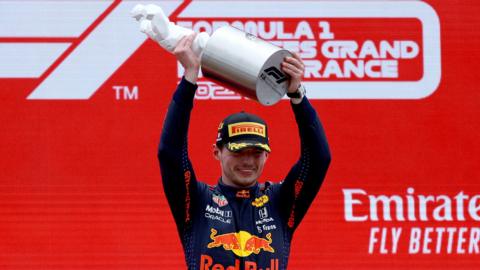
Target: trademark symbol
(125, 93)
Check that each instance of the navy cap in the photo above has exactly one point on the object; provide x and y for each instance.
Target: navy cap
(241, 130)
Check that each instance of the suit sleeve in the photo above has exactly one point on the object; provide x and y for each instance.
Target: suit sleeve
(178, 177)
(304, 179)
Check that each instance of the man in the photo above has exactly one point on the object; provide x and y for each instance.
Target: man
(239, 223)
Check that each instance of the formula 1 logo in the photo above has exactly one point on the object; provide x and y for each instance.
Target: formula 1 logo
(73, 47)
(275, 73)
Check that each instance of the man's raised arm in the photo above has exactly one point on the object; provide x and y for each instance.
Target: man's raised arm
(179, 181)
(305, 178)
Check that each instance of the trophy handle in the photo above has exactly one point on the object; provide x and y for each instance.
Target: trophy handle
(156, 25)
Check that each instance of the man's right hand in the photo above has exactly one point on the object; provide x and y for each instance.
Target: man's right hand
(185, 55)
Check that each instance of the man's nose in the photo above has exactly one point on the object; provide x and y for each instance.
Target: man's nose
(247, 159)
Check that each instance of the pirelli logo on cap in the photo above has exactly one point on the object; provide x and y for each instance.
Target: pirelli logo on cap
(243, 128)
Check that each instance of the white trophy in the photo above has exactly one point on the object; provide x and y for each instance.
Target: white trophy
(230, 57)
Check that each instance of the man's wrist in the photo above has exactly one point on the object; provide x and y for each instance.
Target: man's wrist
(191, 75)
(297, 96)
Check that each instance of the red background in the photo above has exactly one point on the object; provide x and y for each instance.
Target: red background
(80, 186)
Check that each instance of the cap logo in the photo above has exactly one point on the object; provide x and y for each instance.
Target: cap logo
(243, 128)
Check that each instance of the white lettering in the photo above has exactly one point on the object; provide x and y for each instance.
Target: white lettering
(460, 198)
(440, 232)
(369, 69)
(303, 30)
(411, 204)
(368, 50)
(474, 208)
(445, 208)
(409, 49)
(427, 240)
(451, 232)
(221, 219)
(414, 246)
(474, 241)
(427, 207)
(396, 232)
(386, 201)
(373, 239)
(312, 68)
(269, 227)
(461, 240)
(262, 221)
(431, 240)
(332, 68)
(423, 206)
(389, 68)
(217, 211)
(349, 202)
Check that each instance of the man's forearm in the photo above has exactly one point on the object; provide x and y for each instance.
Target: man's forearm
(178, 115)
(177, 173)
(305, 178)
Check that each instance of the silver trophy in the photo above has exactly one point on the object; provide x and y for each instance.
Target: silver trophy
(230, 57)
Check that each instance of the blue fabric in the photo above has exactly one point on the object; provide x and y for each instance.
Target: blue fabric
(238, 228)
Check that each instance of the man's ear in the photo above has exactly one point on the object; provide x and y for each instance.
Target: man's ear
(216, 152)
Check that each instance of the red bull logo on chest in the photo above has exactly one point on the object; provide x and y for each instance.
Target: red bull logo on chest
(241, 243)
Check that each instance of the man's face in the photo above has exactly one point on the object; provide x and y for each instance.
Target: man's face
(241, 168)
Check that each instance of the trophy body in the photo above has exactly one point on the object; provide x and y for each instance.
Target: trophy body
(245, 64)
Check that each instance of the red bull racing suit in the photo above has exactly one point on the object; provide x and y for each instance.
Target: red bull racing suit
(223, 227)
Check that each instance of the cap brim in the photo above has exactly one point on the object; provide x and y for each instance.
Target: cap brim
(237, 146)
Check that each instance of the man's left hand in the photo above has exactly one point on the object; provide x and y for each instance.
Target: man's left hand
(294, 67)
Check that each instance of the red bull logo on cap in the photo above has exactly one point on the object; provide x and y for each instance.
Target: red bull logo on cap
(241, 243)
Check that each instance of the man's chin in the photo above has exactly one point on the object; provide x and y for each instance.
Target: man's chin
(246, 181)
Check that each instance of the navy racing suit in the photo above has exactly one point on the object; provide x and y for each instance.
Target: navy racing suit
(223, 227)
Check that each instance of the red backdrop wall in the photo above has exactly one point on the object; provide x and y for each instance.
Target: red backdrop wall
(79, 181)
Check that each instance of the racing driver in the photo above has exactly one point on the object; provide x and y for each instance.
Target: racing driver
(239, 223)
